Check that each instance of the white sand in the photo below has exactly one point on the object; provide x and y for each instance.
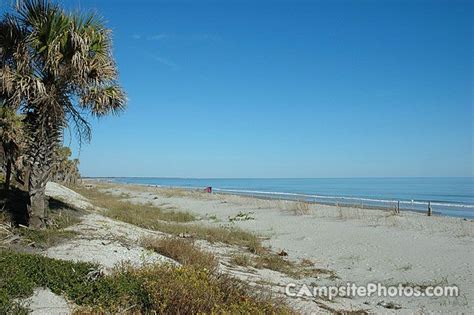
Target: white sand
(361, 246)
(45, 302)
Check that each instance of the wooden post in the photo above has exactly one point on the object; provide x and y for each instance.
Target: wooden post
(429, 209)
(398, 206)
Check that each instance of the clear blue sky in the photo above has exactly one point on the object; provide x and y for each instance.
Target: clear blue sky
(288, 89)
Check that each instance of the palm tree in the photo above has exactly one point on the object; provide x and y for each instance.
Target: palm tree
(56, 68)
(65, 171)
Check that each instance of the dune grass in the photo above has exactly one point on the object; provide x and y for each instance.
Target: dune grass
(158, 289)
(134, 213)
(173, 222)
(272, 261)
(226, 235)
(183, 251)
(146, 217)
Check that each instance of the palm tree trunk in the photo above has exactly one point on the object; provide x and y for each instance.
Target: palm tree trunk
(41, 151)
(8, 174)
(38, 178)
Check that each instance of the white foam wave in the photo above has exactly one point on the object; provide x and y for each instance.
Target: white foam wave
(360, 199)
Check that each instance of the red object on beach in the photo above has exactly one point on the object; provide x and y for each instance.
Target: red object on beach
(209, 189)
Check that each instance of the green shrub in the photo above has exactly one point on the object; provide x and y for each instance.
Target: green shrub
(162, 289)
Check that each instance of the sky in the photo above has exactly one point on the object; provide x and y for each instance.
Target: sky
(287, 89)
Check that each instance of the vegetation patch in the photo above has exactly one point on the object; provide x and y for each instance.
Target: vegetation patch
(137, 214)
(60, 217)
(242, 216)
(274, 262)
(226, 235)
(159, 289)
(303, 269)
(243, 260)
(170, 222)
(300, 208)
(43, 238)
(183, 251)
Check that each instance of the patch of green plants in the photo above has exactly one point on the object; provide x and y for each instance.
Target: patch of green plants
(212, 217)
(43, 238)
(53, 234)
(242, 216)
(161, 289)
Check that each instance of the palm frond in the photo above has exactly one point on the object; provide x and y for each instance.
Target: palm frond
(58, 66)
(102, 100)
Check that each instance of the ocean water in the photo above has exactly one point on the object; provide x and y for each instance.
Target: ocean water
(453, 196)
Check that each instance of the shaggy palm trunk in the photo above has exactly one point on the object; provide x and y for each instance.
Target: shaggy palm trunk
(41, 150)
(8, 174)
(8, 151)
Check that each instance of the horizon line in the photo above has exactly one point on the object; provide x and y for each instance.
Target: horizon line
(336, 177)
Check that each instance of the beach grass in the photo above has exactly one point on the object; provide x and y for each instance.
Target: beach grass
(177, 223)
(272, 261)
(135, 213)
(183, 251)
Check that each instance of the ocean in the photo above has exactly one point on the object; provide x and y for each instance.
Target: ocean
(450, 196)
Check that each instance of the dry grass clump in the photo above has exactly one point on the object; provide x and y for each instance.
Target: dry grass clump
(296, 207)
(272, 261)
(296, 270)
(301, 208)
(230, 235)
(6, 228)
(137, 214)
(183, 251)
(241, 260)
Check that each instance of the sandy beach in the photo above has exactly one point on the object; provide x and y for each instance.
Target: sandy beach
(359, 246)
